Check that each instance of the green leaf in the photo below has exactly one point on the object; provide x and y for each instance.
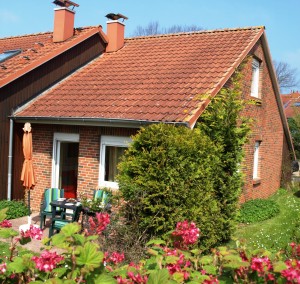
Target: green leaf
(71, 229)
(158, 277)
(58, 281)
(105, 279)
(206, 259)
(90, 256)
(3, 214)
(6, 233)
(279, 266)
(156, 242)
(210, 269)
(17, 266)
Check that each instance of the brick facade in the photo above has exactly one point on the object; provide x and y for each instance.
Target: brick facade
(268, 129)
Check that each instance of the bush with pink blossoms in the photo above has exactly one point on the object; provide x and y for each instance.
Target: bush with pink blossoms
(82, 261)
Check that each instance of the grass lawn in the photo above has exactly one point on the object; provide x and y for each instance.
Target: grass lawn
(276, 233)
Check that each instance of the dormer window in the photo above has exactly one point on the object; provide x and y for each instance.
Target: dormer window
(9, 54)
(255, 78)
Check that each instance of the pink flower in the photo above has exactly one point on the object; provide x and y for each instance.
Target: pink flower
(99, 223)
(185, 234)
(47, 261)
(293, 271)
(2, 268)
(261, 265)
(137, 278)
(115, 257)
(33, 233)
(5, 224)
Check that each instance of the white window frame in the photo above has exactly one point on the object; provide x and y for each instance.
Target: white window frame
(57, 139)
(116, 141)
(255, 78)
(256, 160)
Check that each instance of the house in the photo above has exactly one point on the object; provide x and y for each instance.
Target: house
(291, 103)
(29, 65)
(82, 124)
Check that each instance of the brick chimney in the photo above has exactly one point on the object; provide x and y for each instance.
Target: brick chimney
(63, 24)
(115, 33)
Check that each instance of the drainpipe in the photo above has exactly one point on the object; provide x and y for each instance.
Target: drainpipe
(11, 128)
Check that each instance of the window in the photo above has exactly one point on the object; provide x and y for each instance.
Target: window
(111, 150)
(256, 160)
(255, 78)
(8, 54)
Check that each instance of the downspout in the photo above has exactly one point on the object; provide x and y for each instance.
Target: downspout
(11, 128)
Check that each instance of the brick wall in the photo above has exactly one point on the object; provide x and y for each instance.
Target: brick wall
(88, 161)
(267, 128)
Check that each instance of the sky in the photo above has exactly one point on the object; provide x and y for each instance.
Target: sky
(280, 17)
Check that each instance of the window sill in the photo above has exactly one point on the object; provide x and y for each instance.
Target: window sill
(256, 181)
(256, 101)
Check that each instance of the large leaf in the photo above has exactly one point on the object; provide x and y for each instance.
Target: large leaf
(71, 229)
(105, 279)
(3, 214)
(279, 266)
(6, 233)
(158, 277)
(17, 266)
(90, 256)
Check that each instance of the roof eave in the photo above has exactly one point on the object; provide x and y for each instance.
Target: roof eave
(86, 121)
(275, 85)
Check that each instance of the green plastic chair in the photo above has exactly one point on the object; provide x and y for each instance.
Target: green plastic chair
(104, 196)
(50, 194)
(63, 219)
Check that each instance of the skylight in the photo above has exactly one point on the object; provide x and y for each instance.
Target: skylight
(8, 54)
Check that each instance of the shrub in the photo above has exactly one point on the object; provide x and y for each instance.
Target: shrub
(168, 175)
(16, 209)
(258, 210)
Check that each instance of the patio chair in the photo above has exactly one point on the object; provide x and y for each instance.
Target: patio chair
(63, 219)
(50, 194)
(104, 196)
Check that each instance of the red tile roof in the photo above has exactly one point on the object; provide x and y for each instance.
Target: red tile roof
(291, 104)
(154, 78)
(38, 48)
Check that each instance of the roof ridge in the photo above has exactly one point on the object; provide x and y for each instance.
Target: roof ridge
(197, 32)
(45, 33)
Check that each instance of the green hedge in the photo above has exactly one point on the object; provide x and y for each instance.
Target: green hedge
(16, 209)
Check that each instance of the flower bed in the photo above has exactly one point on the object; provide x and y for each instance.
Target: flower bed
(173, 260)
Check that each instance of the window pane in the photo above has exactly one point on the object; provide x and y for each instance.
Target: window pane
(256, 160)
(255, 78)
(112, 158)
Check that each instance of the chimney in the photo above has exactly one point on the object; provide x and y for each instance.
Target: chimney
(63, 24)
(115, 34)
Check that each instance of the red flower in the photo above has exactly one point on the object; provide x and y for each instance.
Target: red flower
(115, 257)
(99, 223)
(33, 233)
(261, 264)
(5, 224)
(185, 234)
(47, 260)
(2, 268)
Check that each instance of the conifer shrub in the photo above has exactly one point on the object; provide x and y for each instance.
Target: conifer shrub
(169, 175)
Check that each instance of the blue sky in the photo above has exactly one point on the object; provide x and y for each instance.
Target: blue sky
(281, 18)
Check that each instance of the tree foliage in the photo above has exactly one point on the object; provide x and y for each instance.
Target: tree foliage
(294, 125)
(286, 75)
(170, 173)
(153, 28)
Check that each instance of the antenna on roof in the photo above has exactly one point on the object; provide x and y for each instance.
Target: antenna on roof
(115, 17)
(65, 3)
